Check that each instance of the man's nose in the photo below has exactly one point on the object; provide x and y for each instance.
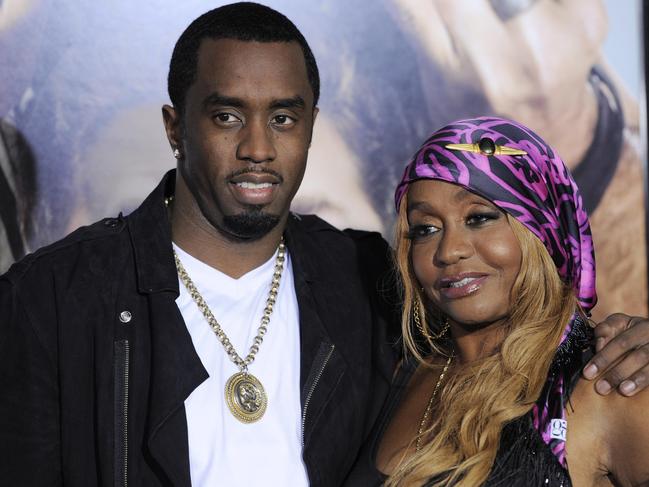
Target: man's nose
(256, 143)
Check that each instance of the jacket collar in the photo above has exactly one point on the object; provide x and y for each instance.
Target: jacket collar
(150, 232)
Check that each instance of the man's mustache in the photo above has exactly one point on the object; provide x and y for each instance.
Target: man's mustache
(256, 170)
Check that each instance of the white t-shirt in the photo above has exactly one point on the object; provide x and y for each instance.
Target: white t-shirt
(222, 450)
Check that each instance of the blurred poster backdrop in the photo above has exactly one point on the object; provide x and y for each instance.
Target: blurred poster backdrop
(82, 83)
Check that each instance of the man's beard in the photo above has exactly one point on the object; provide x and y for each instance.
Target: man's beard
(253, 224)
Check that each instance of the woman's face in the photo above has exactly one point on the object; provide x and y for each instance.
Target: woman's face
(464, 253)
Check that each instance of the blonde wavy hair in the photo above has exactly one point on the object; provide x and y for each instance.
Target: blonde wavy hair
(459, 447)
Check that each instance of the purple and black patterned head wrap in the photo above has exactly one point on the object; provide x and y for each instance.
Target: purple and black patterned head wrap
(539, 192)
(536, 189)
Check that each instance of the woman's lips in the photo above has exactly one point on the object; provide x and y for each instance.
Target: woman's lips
(461, 286)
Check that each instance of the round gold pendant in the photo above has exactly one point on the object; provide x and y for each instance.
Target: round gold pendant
(245, 397)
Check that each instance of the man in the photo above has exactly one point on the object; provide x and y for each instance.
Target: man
(124, 383)
(211, 337)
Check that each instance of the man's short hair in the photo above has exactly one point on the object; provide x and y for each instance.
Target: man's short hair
(243, 21)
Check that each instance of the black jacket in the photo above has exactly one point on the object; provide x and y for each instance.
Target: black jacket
(88, 400)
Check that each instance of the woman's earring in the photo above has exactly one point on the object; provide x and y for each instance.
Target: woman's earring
(424, 330)
(177, 154)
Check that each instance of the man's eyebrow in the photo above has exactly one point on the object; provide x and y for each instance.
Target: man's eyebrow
(294, 102)
(216, 98)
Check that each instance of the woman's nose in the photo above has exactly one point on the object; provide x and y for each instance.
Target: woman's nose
(455, 244)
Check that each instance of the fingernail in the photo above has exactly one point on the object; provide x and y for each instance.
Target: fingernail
(590, 371)
(627, 387)
(603, 387)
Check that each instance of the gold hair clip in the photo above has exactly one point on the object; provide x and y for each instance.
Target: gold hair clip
(487, 147)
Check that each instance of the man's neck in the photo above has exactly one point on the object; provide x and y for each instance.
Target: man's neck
(192, 232)
(234, 258)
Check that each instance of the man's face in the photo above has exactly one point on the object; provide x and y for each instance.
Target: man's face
(245, 133)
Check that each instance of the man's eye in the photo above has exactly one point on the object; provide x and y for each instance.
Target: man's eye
(226, 118)
(418, 232)
(282, 120)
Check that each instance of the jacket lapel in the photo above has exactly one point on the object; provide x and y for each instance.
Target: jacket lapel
(176, 369)
(321, 363)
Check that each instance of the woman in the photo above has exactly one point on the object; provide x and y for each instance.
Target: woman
(498, 274)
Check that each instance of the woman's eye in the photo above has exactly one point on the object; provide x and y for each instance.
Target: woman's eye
(480, 218)
(421, 231)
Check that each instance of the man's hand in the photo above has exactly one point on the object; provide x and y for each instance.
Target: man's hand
(620, 337)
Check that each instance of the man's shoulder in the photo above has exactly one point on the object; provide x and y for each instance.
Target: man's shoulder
(318, 228)
(100, 245)
(331, 249)
(96, 239)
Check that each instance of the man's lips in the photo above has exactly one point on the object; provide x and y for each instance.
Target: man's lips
(251, 187)
(461, 285)
(256, 176)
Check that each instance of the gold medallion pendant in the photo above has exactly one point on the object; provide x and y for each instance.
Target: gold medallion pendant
(246, 397)
(244, 394)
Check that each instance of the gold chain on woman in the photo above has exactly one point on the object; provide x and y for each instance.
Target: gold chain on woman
(425, 418)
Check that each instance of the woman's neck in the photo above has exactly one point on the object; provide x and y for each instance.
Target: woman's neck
(476, 341)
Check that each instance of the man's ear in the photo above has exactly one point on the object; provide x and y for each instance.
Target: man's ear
(172, 123)
(316, 110)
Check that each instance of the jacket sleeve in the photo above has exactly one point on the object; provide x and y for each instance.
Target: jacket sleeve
(29, 412)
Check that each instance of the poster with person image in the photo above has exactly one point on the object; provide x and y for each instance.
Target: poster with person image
(81, 133)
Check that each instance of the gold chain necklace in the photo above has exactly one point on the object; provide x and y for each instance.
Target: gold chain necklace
(244, 393)
(424, 419)
(424, 329)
